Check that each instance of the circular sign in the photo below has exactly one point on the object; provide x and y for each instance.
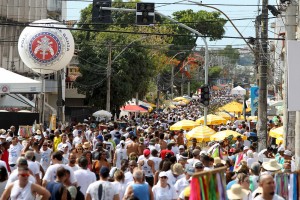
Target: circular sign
(44, 47)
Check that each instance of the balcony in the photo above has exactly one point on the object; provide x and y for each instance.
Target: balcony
(71, 92)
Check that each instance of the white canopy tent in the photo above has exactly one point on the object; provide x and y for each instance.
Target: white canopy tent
(11, 82)
(238, 91)
(15, 100)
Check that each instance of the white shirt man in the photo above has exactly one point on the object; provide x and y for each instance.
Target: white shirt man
(45, 157)
(15, 151)
(84, 176)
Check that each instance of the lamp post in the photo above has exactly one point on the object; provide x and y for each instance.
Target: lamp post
(172, 74)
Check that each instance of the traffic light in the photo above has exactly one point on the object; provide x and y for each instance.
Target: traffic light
(100, 15)
(145, 13)
(204, 95)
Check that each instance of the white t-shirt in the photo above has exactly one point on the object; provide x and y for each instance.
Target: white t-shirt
(77, 140)
(128, 177)
(275, 197)
(156, 161)
(84, 179)
(121, 154)
(2, 163)
(45, 158)
(75, 168)
(50, 174)
(192, 161)
(167, 193)
(14, 176)
(108, 191)
(59, 146)
(171, 179)
(34, 167)
(14, 153)
(261, 155)
(120, 187)
(181, 184)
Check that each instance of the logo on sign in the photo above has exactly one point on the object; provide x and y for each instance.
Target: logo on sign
(45, 47)
(4, 89)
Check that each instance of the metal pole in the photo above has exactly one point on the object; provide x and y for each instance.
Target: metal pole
(297, 123)
(262, 100)
(172, 73)
(108, 76)
(289, 117)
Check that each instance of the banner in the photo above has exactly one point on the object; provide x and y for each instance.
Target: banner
(254, 100)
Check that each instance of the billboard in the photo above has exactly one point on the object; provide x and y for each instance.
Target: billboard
(254, 100)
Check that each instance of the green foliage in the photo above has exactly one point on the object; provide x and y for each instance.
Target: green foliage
(214, 72)
(231, 53)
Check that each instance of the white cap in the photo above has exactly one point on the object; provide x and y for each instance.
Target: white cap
(287, 153)
(3, 136)
(162, 174)
(9, 139)
(203, 153)
(246, 148)
(181, 147)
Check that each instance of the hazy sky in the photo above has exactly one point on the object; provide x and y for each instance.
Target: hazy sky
(241, 12)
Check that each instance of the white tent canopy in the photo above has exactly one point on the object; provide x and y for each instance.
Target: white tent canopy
(11, 82)
(238, 91)
(15, 100)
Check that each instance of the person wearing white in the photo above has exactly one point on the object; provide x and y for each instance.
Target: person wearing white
(154, 157)
(182, 183)
(120, 154)
(34, 167)
(163, 190)
(45, 156)
(78, 139)
(15, 151)
(110, 148)
(129, 174)
(250, 158)
(119, 183)
(64, 141)
(24, 189)
(84, 176)
(175, 173)
(266, 182)
(108, 191)
(51, 171)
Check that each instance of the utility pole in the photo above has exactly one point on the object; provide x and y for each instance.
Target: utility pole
(157, 99)
(262, 99)
(182, 83)
(257, 49)
(297, 120)
(289, 119)
(108, 76)
(59, 102)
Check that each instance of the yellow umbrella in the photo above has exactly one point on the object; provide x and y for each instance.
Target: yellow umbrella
(253, 118)
(212, 120)
(224, 134)
(172, 106)
(276, 132)
(279, 140)
(233, 107)
(225, 115)
(201, 133)
(183, 124)
(179, 99)
(152, 105)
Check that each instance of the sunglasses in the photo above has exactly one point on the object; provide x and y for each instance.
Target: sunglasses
(45, 145)
(86, 148)
(163, 177)
(24, 175)
(80, 149)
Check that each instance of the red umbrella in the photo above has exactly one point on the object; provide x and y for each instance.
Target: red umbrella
(133, 108)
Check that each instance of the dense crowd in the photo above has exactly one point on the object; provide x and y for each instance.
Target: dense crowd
(136, 158)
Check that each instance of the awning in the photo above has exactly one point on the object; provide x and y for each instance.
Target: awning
(11, 82)
(134, 108)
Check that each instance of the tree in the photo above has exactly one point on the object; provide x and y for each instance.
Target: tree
(231, 53)
(138, 66)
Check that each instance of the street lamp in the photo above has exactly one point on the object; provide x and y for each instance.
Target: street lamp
(172, 75)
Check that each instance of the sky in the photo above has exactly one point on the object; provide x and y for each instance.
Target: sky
(241, 12)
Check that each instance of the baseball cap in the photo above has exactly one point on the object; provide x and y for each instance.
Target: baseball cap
(64, 145)
(163, 174)
(287, 153)
(22, 161)
(281, 148)
(196, 152)
(99, 137)
(104, 171)
(190, 170)
(198, 165)
(246, 148)
(181, 147)
(146, 152)
(9, 139)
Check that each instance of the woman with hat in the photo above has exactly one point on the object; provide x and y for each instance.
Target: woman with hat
(79, 150)
(236, 192)
(163, 190)
(244, 181)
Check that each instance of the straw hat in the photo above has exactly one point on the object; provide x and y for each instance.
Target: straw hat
(271, 165)
(86, 145)
(218, 160)
(236, 192)
(177, 169)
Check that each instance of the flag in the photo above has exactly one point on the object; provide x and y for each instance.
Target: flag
(238, 159)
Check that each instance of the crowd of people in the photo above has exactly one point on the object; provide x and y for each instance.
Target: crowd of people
(138, 158)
